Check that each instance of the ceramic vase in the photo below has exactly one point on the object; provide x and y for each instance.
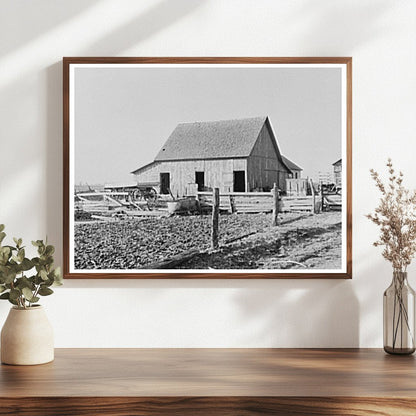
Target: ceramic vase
(27, 337)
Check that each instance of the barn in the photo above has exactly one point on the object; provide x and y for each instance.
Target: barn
(338, 173)
(239, 155)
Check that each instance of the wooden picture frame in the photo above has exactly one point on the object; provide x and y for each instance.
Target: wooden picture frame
(264, 137)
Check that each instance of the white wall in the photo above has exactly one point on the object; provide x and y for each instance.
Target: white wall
(380, 35)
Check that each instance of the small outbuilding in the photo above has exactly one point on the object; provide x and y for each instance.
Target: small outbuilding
(296, 171)
(338, 173)
(239, 155)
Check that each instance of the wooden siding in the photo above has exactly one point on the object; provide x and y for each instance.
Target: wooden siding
(217, 173)
(338, 173)
(263, 166)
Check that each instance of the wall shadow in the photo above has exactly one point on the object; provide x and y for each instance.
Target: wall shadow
(159, 17)
(54, 146)
(35, 18)
(148, 23)
(301, 313)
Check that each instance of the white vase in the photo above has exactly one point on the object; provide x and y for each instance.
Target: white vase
(27, 337)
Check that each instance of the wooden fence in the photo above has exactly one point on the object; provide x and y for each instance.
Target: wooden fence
(253, 202)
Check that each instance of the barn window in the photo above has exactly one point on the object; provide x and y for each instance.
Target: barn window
(239, 181)
(200, 180)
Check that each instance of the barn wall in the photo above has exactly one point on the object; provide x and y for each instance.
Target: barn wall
(218, 173)
(263, 166)
(149, 174)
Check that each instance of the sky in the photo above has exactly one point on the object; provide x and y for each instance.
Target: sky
(124, 115)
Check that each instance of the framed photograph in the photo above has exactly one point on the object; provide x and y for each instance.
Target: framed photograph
(207, 168)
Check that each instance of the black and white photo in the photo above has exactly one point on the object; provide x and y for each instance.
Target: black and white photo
(216, 167)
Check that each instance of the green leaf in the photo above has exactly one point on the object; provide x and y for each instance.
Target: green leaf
(37, 243)
(49, 250)
(26, 264)
(4, 256)
(2, 227)
(5, 250)
(21, 255)
(9, 277)
(18, 242)
(24, 282)
(28, 294)
(13, 302)
(2, 288)
(38, 280)
(11, 248)
(44, 259)
(14, 268)
(15, 294)
(45, 291)
(43, 274)
(58, 280)
(2, 236)
(7, 297)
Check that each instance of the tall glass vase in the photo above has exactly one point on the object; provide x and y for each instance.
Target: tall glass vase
(399, 316)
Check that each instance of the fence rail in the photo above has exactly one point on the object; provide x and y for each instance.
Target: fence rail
(253, 202)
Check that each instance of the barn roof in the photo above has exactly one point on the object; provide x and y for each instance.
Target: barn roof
(212, 139)
(215, 140)
(291, 165)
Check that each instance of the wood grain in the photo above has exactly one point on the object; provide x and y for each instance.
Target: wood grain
(67, 61)
(212, 381)
(207, 406)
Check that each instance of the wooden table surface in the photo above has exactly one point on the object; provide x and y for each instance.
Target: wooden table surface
(212, 381)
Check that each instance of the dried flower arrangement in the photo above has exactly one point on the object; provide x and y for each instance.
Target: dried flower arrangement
(396, 217)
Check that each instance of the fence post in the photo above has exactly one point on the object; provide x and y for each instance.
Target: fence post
(232, 204)
(275, 214)
(313, 210)
(215, 217)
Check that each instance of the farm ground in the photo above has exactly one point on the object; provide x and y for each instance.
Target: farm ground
(247, 241)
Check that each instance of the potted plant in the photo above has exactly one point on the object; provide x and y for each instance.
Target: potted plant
(396, 217)
(27, 336)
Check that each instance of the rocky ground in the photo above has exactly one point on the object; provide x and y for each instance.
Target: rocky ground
(247, 241)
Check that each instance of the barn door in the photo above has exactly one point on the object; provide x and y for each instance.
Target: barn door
(239, 181)
(200, 180)
(164, 183)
